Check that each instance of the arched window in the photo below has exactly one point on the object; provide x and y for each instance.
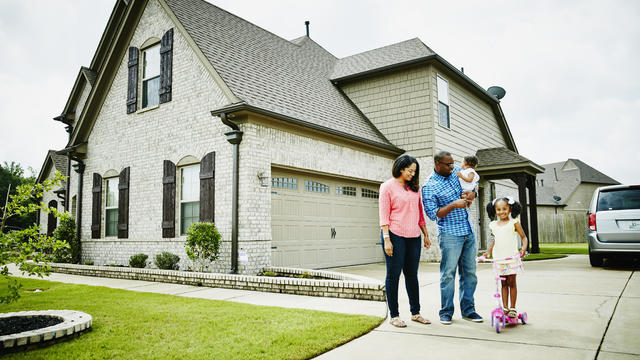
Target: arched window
(52, 221)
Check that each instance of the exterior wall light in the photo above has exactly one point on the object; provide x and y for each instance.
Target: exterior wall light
(264, 179)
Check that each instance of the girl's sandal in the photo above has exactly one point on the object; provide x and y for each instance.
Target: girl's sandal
(512, 313)
(420, 319)
(395, 321)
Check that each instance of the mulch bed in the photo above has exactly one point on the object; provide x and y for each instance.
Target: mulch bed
(18, 324)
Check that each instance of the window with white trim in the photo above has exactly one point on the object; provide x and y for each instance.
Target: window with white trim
(151, 76)
(314, 186)
(346, 190)
(284, 183)
(111, 207)
(368, 193)
(189, 196)
(443, 103)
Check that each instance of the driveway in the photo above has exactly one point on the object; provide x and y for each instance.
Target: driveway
(575, 312)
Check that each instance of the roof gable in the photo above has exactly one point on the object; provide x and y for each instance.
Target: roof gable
(53, 159)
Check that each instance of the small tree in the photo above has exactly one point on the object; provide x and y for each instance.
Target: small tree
(203, 244)
(27, 248)
(66, 232)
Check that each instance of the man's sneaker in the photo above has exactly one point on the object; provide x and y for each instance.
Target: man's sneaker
(473, 317)
(445, 319)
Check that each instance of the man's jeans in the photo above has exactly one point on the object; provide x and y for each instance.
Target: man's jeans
(405, 259)
(457, 252)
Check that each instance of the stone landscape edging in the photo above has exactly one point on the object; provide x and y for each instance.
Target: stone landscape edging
(338, 285)
(73, 322)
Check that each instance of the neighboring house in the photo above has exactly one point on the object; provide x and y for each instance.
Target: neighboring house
(55, 198)
(189, 113)
(564, 193)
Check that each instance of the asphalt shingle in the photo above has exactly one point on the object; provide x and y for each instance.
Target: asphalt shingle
(380, 58)
(290, 78)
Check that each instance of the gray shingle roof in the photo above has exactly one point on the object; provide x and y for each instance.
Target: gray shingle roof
(591, 175)
(271, 73)
(380, 58)
(499, 156)
(60, 162)
(561, 179)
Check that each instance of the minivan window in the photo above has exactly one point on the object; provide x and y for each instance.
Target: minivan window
(619, 199)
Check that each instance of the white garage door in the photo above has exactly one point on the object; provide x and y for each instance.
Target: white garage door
(320, 222)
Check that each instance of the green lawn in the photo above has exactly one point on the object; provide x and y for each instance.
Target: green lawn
(567, 248)
(133, 325)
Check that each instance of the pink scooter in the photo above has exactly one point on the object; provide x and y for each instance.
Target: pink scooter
(498, 318)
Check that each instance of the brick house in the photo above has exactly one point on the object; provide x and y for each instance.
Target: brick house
(189, 113)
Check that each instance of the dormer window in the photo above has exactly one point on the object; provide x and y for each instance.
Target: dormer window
(151, 76)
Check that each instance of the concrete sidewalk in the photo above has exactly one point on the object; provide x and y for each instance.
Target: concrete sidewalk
(575, 312)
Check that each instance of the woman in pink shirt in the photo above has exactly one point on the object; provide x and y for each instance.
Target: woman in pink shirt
(401, 219)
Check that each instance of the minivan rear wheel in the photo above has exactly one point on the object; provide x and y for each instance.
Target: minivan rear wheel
(595, 259)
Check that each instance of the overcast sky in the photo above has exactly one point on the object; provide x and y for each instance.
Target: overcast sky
(569, 67)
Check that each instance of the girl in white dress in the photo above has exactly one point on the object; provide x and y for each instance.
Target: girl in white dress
(505, 245)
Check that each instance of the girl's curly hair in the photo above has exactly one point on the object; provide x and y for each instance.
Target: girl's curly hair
(515, 206)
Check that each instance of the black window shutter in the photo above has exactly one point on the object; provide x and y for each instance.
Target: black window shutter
(132, 87)
(207, 187)
(166, 63)
(169, 200)
(123, 204)
(96, 206)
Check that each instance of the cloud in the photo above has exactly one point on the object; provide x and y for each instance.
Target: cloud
(569, 67)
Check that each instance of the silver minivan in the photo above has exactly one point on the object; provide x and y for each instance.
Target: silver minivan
(614, 222)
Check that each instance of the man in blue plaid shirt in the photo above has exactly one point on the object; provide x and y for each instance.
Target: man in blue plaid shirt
(445, 203)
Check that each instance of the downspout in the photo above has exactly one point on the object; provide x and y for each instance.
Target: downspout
(79, 168)
(234, 137)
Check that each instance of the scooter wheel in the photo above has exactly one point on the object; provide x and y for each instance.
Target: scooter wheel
(498, 326)
(523, 318)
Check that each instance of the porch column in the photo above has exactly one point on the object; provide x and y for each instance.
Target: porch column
(521, 181)
(533, 211)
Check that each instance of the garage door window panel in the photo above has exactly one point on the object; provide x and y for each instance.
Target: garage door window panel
(314, 186)
(346, 190)
(368, 193)
(284, 183)
(189, 197)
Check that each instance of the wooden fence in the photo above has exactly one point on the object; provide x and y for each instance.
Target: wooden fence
(568, 227)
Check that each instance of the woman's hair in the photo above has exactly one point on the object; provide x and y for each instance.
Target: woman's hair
(515, 207)
(403, 162)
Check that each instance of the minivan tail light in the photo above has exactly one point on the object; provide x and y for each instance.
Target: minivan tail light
(592, 222)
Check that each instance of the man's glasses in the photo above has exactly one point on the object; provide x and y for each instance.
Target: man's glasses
(447, 164)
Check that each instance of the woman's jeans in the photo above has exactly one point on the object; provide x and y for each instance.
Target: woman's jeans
(457, 252)
(405, 259)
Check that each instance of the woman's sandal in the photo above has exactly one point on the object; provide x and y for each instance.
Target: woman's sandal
(395, 321)
(512, 313)
(420, 319)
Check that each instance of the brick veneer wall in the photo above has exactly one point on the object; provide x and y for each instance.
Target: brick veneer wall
(347, 289)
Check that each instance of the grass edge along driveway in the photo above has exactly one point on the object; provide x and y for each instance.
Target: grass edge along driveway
(136, 325)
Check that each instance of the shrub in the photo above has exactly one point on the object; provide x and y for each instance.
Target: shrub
(167, 261)
(88, 262)
(202, 244)
(138, 261)
(66, 232)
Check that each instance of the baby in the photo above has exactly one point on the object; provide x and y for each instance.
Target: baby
(468, 177)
